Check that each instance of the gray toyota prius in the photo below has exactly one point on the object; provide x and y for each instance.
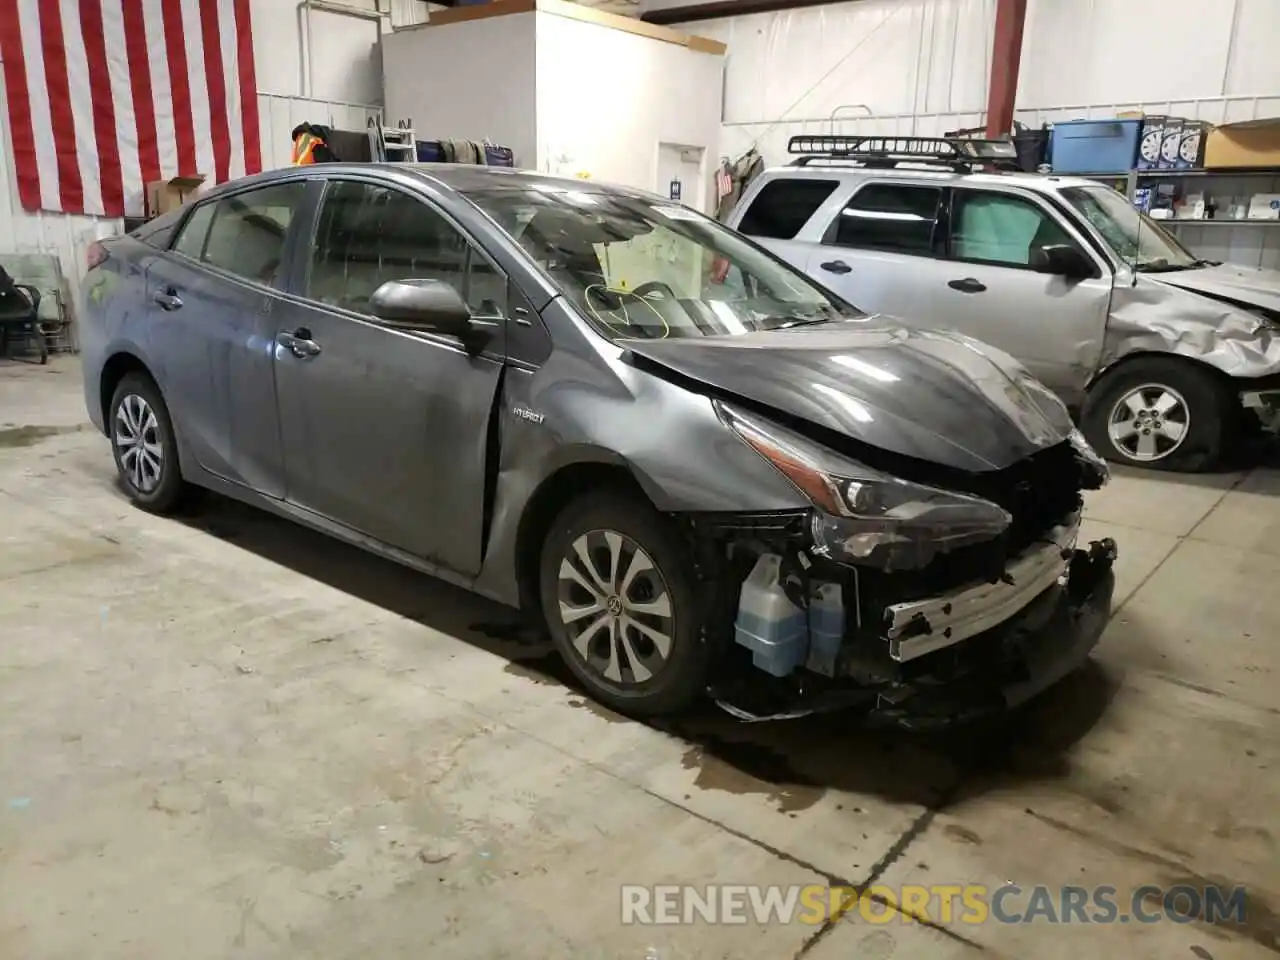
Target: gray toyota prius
(705, 474)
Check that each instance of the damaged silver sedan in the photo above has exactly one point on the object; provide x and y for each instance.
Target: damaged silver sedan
(700, 471)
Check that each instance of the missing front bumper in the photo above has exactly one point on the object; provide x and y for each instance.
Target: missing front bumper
(1019, 659)
(920, 627)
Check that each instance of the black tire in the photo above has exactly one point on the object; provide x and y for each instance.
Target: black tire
(169, 491)
(1205, 401)
(674, 681)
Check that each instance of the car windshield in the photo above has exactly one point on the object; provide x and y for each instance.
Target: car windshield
(639, 267)
(1136, 238)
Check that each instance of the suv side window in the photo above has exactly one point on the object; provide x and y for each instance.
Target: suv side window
(783, 206)
(898, 218)
(368, 234)
(999, 228)
(244, 234)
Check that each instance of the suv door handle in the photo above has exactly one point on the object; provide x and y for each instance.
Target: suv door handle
(167, 299)
(967, 285)
(299, 343)
(836, 266)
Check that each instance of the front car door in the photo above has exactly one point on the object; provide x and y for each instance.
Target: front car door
(880, 246)
(387, 431)
(211, 295)
(1053, 324)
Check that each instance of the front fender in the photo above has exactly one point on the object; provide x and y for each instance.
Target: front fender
(1155, 317)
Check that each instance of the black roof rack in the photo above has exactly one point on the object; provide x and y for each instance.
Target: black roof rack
(956, 153)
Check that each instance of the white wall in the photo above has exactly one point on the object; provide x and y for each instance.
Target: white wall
(607, 98)
(922, 66)
(467, 81)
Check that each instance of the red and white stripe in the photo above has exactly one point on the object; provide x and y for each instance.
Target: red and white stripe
(106, 96)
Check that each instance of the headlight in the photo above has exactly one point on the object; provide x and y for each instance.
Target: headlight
(1096, 472)
(866, 516)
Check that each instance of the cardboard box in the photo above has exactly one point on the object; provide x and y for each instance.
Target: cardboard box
(1264, 206)
(1253, 143)
(166, 195)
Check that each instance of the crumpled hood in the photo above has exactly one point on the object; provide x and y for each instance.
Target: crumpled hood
(1247, 285)
(935, 396)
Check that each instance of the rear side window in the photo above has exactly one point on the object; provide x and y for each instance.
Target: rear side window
(783, 206)
(195, 232)
(898, 218)
(243, 234)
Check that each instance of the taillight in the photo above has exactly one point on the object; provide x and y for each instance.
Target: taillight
(96, 255)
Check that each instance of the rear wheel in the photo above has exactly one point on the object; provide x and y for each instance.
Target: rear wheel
(619, 594)
(144, 445)
(1159, 412)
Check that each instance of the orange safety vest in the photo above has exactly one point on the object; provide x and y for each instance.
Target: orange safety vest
(304, 149)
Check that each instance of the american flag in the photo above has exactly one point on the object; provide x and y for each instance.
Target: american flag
(724, 182)
(106, 96)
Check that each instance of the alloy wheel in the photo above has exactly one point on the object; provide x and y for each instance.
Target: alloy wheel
(615, 607)
(137, 440)
(1149, 422)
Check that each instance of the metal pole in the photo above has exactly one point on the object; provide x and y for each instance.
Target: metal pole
(1006, 53)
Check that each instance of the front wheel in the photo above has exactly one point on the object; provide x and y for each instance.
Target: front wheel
(619, 594)
(1162, 413)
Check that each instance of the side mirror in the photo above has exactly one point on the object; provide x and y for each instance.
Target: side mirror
(426, 306)
(1062, 260)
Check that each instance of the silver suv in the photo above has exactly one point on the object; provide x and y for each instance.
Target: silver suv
(1155, 351)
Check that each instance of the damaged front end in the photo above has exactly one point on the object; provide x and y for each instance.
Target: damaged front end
(919, 594)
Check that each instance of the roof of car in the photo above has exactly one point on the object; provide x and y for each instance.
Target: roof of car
(1030, 181)
(462, 177)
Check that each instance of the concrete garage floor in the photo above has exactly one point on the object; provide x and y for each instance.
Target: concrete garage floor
(231, 737)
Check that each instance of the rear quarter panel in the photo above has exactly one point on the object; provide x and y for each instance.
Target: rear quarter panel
(112, 314)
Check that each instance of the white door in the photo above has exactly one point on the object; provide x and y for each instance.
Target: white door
(879, 247)
(990, 290)
(681, 175)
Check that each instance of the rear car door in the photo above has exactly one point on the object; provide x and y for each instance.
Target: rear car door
(880, 248)
(211, 294)
(386, 431)
(1053, 324)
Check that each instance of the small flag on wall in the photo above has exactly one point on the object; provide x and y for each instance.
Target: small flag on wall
(105, 96)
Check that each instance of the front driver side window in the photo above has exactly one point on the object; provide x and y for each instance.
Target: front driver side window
(369, 234)
(1001, 229)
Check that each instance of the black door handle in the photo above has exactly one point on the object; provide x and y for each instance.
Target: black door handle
(836, 266)
(967, 285)
(299, 343)
(167, 299)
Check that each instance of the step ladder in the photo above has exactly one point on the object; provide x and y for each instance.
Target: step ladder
(396, 144)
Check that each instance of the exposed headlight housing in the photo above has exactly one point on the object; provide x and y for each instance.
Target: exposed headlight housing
(1097, 471)
(865, 516)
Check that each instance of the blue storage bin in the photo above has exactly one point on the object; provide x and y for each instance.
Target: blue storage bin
(1095, 146)
(429, 151)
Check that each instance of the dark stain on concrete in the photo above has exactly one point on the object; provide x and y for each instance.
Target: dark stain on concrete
(1202, 953)
(961, 834)
(30, 435)
(743, 767)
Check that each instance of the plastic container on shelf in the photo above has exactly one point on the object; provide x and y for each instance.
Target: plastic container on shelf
(768, 624)
(826, 628)
(1094, 146)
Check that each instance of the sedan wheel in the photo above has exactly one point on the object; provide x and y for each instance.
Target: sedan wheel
(1149, 422)
(615, 607)
(138, 443)
(620, 595)
(144, 445)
